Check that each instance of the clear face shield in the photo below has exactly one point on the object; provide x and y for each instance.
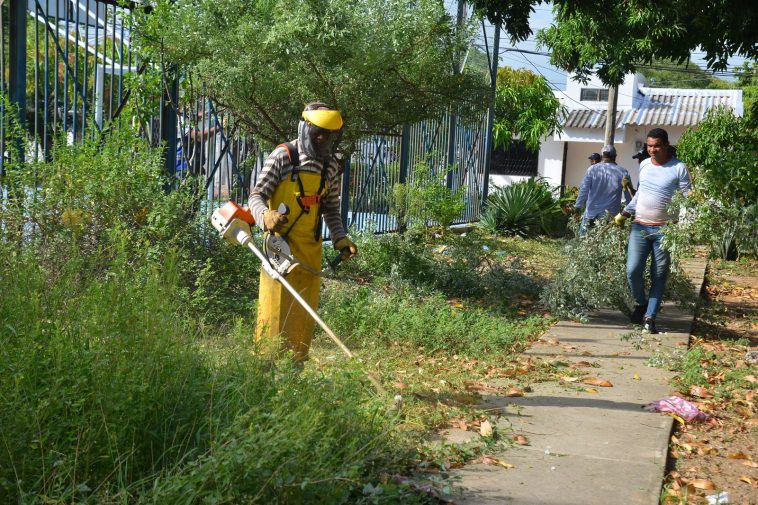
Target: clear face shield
(320, 132)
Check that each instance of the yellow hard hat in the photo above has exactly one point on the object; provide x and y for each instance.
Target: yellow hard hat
(326, 119)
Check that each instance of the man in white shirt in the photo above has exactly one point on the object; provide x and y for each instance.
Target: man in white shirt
(661, 176)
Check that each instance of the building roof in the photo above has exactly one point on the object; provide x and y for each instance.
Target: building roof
(661, 107)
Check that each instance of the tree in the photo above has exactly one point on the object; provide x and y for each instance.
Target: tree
(670, 74)
(525, 106)
(612, 38)
(382, 63)
(747, 79)
(723, 156)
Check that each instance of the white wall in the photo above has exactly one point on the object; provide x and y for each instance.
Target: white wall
(634, 140)
(551, 161)
(627, 94)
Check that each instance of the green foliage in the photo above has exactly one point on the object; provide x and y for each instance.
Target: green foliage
(613, 38)
(729, 232)
(113, 386)
(525, 106)
(109, 395)
(381, 63)
(721, 153)
(454, 266)
(366, 316)
(667, 73)
(747, 79)
(108, 191)
(426, 199)
(595, 276)
(525, 209)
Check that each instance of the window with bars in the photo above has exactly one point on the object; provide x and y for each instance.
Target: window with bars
(594, 95)
(515, 160)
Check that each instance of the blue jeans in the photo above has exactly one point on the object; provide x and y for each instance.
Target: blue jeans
(642, 241)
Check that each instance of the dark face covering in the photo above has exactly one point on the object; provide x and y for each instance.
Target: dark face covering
(317, 142)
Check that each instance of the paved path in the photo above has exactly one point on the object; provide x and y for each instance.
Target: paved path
(587, 448)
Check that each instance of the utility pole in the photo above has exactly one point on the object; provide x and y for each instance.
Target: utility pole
(610, 119)
(453, 126)
(488, 144)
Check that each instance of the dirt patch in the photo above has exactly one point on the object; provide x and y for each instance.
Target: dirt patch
(720, 458)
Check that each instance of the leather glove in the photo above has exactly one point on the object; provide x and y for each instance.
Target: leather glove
(620, 218)
(274, 220)
(625, 182)
(346, 243)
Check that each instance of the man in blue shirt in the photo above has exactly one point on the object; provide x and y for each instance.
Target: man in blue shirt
(661, 176)
(601, 189)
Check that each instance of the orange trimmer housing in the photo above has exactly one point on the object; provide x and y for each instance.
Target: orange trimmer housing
(231, 210)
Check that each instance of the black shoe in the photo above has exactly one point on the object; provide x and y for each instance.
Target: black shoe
(637, 314)
(648, 326)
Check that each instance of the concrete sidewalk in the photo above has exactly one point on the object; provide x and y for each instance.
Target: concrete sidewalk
(587, 448)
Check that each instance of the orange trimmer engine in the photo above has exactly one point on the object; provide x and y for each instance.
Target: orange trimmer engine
(233, 223)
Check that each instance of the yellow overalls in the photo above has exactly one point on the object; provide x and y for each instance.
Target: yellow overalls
(283, 324)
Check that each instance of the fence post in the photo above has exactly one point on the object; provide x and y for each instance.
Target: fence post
(405, 153)
(168, 125)
(488, 143)
(345, 198)
(17, 67)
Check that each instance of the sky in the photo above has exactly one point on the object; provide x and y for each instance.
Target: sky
(542, 17)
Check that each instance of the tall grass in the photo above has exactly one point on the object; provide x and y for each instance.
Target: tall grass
(108, 396)
(113, 386)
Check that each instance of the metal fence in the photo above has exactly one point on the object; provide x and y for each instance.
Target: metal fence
(66, 65)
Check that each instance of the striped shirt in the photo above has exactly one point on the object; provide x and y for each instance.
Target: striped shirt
(277, 168)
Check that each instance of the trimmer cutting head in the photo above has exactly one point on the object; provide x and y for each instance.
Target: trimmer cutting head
(279, 254)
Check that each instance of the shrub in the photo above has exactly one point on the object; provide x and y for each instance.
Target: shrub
(525, 209)
(426, 199)
(595, 276)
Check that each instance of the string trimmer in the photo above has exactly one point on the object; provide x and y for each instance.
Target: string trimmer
(233, 223)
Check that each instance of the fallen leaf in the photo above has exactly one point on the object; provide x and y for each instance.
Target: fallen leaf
(636, 377)
(738, 455)
(679, 419)
(569, 379)
(514, 392)
(746, 479)
(521, 440)
(700, 392)
(751, 464)
(750, 378)
(480, 387)
(485, 429)
(590, 390)
(399, 385)
(585, 364)
(592, 381)
(702, 484)
(492, 460)
(550, 341)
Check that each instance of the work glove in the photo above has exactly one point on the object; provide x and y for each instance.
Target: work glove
(620, 218)
(274, 220)
(625, 182)
(346, 247)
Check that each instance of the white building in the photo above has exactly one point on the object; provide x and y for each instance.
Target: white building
(562, 157)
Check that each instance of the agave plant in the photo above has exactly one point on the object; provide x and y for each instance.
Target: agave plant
(525, 208)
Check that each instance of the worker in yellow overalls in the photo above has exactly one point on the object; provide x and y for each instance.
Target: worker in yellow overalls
(305, 175)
